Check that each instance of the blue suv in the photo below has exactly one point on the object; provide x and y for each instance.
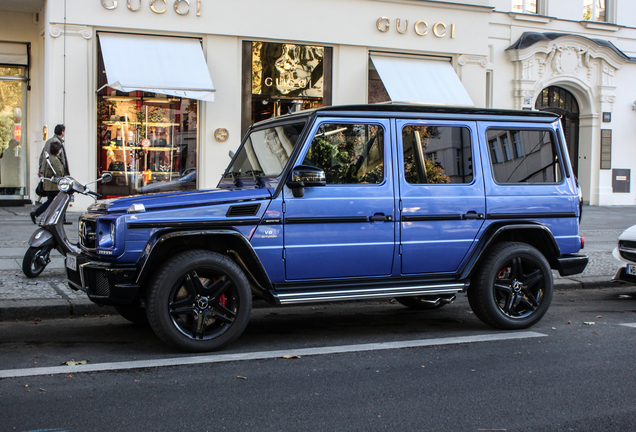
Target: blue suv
(341, 203)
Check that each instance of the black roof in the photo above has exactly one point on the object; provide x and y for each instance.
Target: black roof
(528, 39)
(410, 110)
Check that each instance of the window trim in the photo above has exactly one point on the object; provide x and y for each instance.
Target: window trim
(555, 143)
(314, 129)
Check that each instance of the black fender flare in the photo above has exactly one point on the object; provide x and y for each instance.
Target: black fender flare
(542, 238)
(228, 242)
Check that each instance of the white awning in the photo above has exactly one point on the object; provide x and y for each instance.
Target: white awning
(426, 81)
(14, 53)
(157, 64)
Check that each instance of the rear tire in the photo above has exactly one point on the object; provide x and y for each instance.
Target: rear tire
(199, 301)
(513, 289)
(35, 261)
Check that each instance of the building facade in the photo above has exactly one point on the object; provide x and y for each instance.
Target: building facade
(157, 92)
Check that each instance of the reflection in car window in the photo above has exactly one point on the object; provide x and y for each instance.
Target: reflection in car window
(266, 151)
(534, 160)
(437, 154)
(348, 153)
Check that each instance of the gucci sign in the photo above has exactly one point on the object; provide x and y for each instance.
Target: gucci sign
(421, 27)
(181, 7)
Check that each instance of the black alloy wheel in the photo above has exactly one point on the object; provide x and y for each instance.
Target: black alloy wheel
(513, 289)
(200, 301)
(35, 261)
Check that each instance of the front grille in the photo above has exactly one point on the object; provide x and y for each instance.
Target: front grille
(87, 233)
(627, 244)
(630, 256)
(243, 210)
(98, 283)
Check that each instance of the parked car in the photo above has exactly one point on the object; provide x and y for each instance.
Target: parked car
(625, 254)
(340, 203)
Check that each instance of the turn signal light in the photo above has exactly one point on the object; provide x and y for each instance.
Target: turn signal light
(582, 242)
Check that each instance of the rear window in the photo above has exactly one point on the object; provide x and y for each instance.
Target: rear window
(524, 156)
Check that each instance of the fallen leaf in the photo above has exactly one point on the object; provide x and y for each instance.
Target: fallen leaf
(553, 328)
(42, 390)
(241, 377)
(69, 376)
(569, 322)
(291, 356)
(599, 316)
(74, 363)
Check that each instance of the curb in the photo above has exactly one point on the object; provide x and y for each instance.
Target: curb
(22, 310)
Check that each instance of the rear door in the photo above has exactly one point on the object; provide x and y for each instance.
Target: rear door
(346, 228)
(442, 203)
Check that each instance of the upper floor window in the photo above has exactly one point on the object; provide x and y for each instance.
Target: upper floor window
(525, 6)
(594, 10)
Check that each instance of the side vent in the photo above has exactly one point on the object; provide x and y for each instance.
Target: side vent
(243, 210)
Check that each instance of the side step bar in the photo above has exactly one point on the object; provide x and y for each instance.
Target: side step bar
(362, 293)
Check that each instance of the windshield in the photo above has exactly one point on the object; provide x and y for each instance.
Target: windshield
(266, 151)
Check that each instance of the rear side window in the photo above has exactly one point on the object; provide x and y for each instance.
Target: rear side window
(348, 153)
(437, 154)
(524, 156)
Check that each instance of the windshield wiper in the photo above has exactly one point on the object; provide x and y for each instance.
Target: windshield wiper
(234, 177)
(256, 176)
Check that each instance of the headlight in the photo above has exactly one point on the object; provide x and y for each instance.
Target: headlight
(64, 184)
(106, 236)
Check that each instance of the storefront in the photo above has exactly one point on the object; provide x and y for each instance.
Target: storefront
(158, 92)
(14, 67)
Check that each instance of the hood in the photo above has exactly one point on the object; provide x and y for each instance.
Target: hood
(189, 199)
(629, 234)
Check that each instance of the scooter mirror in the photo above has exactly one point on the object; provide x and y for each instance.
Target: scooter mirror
(106, 177)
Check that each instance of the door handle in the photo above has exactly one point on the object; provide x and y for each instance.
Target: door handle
(380, 217)
(472, 215)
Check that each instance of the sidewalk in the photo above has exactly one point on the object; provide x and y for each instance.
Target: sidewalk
(48, 296)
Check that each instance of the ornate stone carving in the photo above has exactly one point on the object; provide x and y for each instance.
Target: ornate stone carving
(56, 30)
(473, 59)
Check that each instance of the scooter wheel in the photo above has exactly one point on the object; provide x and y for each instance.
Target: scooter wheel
(35, 260)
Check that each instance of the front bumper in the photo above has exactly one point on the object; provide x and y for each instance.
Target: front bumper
(622, 274)
(103, 283)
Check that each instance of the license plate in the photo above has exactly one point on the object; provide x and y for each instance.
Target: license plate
(71, 262)
(631, 269)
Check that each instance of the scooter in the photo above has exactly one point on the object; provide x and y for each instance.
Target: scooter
(51, 234)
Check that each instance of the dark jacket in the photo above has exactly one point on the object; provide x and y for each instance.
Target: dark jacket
(62, 156)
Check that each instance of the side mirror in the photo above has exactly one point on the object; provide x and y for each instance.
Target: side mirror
(106, 177)
(230, 154)
(304, 176)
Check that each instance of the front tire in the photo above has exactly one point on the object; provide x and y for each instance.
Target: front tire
(199, 301)
(513, 289)
(35, 261)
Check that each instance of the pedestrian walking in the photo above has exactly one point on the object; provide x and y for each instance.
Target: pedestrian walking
(55, 169)
(60, 131)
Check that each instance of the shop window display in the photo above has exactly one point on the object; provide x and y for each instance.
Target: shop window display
(148, 142)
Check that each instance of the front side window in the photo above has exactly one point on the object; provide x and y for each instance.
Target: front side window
(348, 153)
(524, 6)
(266, 151)
(437, 154)
(536, 158)
(594, 10)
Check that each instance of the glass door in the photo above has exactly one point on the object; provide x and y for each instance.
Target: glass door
(13, 157)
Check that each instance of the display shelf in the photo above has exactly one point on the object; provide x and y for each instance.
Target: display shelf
(137, 147)
(149, 124)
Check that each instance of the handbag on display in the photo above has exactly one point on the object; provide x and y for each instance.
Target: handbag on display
(116, 166)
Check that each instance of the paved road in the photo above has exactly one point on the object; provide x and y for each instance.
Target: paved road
(572, 371)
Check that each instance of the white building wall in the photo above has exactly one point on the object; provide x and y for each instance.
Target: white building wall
(483, 31)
